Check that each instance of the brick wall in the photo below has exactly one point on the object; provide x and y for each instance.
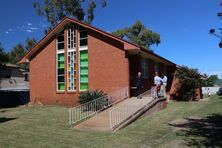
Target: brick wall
(108, 70)
(108, 64)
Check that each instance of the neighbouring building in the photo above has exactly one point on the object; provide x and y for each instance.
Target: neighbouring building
(13, 77)
(74, 57)
(14, 85)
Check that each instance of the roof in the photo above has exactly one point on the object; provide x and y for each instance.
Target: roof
(128, 46)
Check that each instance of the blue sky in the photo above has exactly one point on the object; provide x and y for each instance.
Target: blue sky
(182, 24)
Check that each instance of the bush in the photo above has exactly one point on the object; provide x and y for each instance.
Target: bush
(90, 95)
(189, 81)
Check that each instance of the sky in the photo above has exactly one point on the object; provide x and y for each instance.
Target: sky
(182, 24)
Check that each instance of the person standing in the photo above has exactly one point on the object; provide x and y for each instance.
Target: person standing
(157, 83)
(164, 81)
(139, 85)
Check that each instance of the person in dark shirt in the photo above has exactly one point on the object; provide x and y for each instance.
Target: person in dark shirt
(139, 85)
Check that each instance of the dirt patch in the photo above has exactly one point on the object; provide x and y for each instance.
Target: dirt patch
(205, 99)
(180, 124)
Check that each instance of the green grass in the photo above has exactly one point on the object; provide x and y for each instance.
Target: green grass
(47, 126)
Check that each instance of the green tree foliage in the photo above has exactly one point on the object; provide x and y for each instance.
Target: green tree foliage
(139, 35)
(16, 53)
(211, 81)
(20, 50)
(55, 10)
(189, 81)
(29, 43)
(3, 55)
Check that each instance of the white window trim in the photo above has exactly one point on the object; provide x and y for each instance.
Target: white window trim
(70, 50)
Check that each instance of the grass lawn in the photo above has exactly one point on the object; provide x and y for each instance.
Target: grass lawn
(196, 124)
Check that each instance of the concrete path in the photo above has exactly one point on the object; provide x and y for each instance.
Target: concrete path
(100, 122)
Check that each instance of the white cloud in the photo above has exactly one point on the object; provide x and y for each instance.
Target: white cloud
(29, 31)
(27, 27)
(34, 28)
(29, 24)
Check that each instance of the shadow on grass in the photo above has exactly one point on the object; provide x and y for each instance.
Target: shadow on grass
(201, 132)
(4, 119)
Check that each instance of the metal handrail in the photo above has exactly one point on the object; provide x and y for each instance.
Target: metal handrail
(121, 113)
(86, 110)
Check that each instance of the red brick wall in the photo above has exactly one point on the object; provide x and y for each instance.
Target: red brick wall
(43, 78)
(108, 64)
(108, 71)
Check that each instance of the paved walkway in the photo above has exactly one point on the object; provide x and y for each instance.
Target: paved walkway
(100, 122)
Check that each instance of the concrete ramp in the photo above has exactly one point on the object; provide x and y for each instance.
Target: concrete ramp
(119, 115)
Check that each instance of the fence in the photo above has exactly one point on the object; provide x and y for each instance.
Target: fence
(84, 111)
(124, 112)
(210, 90)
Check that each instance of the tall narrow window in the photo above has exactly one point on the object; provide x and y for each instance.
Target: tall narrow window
(83, 59)
(156, 67)
(71, 59)
(60, 62)
(144, 65)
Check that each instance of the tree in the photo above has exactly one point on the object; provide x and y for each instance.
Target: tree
(217, 33)
(16, 53)
(139, 35)
(29, 43)
(55, 10)
(211, 80)
(189, 81)
(3, 55)
(20, 50)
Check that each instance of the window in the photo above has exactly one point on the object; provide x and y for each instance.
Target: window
(60, 62)
(60, 41)
(71, 37)
(26, 76)
(144, 66)
(83, 59)
(156, 67)
(83, 37)
(71, 59)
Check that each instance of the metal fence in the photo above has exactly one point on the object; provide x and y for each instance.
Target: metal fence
(84, 111)
(210, 90)
(124, 112)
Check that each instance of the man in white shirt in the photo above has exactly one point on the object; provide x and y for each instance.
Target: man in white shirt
(157, 83)
(164, 81)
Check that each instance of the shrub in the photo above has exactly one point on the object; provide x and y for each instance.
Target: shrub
(90, 95)
(189, 81)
